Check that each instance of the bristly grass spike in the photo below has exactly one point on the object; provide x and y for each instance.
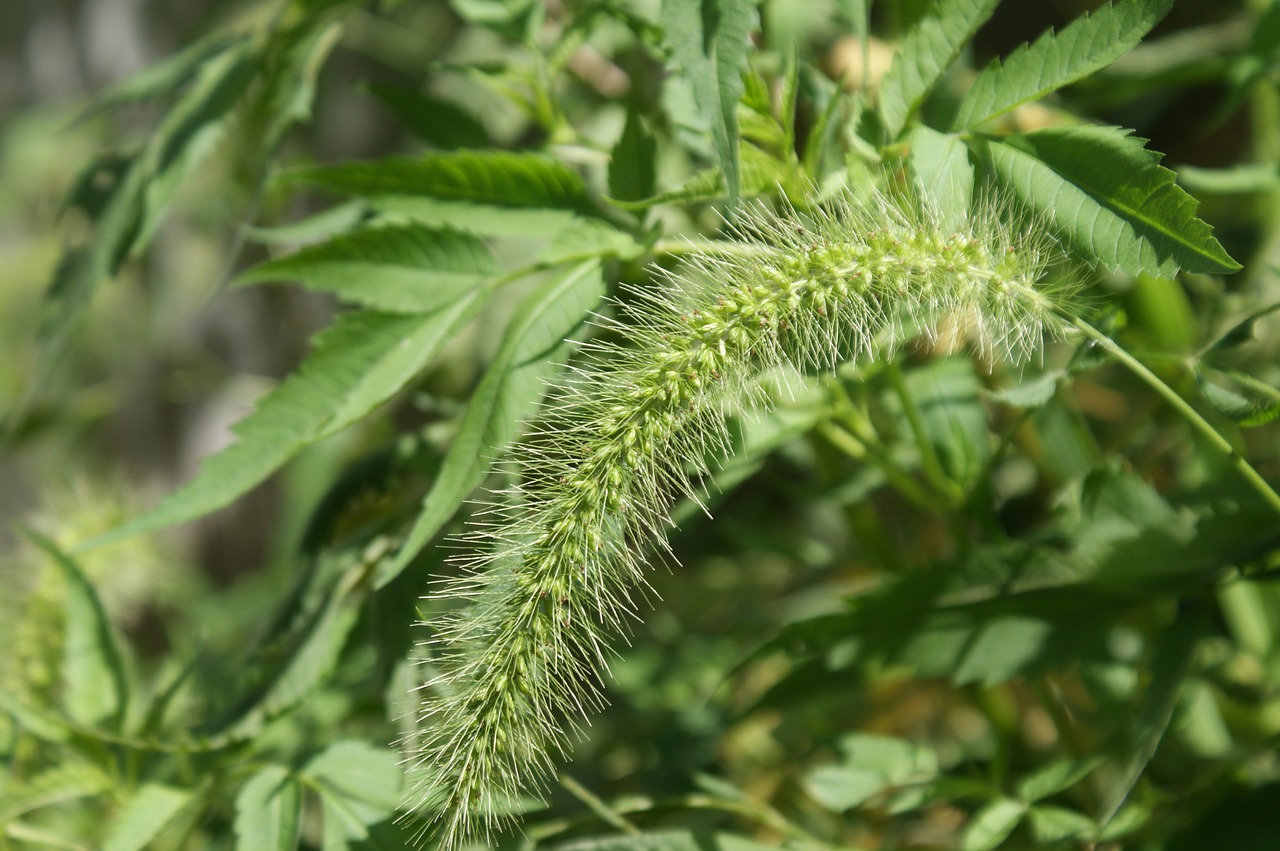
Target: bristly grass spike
(554, 562)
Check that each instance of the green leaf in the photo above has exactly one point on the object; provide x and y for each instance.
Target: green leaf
(68, 781)
(1052, 825)
(871, 764)
(928, 50)
(269, 811)
(709, 41)
(481, 219)
(165, 77)
(1088, 44)
(667, 841)
(96, 686)
(357, 363)
(359, 786)
(760, 174)
(1033, 393)
(632, 163)
(509, 392)
(1175, 653)
(992, 824)
(399, 269)
(308, 665)
(441, 122)
(293, 61)
(191, 131)
(1242, 331)
(585, 239)
(1237, 408)
(1109, 195)
(144, 816)
(499, 178)
(1055, 777)
(940, 167)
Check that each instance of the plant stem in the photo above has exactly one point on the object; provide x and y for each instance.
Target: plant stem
(1193, 418)
(929, 460)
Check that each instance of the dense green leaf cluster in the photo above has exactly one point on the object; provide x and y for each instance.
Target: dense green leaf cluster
(630, 263)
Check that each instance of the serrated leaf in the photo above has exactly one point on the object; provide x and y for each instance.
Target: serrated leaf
(1088, 44)
(940, 167)
(440, 122)
(499, 178)
(356, 364)
(992, 824)
(509, 392)
(269, 811)
(667, 841)
(1109, 195)
(709, 41)
(95, 682)
(928, 50)
(398, 269)
(144, 816)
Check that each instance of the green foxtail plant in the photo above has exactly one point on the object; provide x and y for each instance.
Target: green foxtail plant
(626, 433)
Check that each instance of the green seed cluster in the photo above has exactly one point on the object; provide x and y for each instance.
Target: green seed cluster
(627, 435)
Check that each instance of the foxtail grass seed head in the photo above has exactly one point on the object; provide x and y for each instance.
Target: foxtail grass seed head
(556, 559)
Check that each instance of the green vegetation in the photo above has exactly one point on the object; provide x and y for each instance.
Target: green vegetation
(981, 398)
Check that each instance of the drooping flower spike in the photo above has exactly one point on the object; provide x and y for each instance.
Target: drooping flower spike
(556, 561)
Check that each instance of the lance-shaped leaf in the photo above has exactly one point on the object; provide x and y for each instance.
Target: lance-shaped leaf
(364, 356)
(508, 393)
(404, 269)
(928, 50)
(1110, 197)
(486, 177)
(93, 662)
(1087, 44)
(708, 39)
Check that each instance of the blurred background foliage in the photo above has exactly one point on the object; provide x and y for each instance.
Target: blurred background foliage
(832, 663)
